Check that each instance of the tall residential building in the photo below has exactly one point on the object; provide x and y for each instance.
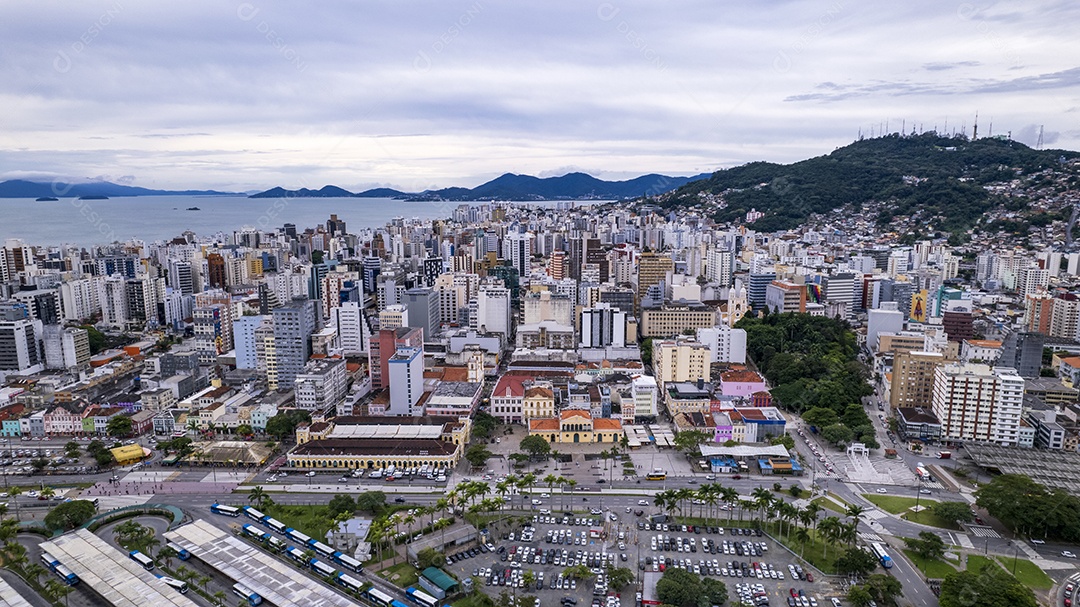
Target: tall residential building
(886, 319)
(394, 317)
(489, 312)
(1038, 312)
(322, 386)
(65, 348)
(913, 378)
(653, 269)
(758, 284)
(1031, 280)
(383, 346)
(181, 276)
(424, 310)
(406, 373)
(785, 296)
(213, 332)
(293, 325)
(348, 319)
(681, 360)
(244, 330)
(1065, 316)
(720, 265)
(18, 339)
(546, 305)
(79, 298)
(603, 325)
(1022, 351)
(726, 345)
(517, 251)
(215, 271)
(977, 403)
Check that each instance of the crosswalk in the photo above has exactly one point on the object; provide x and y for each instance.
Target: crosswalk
(871, 537)
(978, 531)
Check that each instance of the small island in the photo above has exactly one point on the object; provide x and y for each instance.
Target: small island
(194, 209)
(47, 199)
(93, 197)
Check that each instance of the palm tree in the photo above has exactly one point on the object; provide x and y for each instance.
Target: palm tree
(555, 456)
(167, 554)
(803, 536)
(34, 572)
(15, 492)
(571, 483)
(730, 496)
(204, 581)
(710, 494)
(813, 509)
(502, 488)
(662, 500)
(530, 481)
(561, 482)
(48, 493)
(550, 480)
(829, 529)
(149, 544)
(684, 495)
(855, 511)
(219, 598)
(763, 500)
(848, 533)
(257, 496)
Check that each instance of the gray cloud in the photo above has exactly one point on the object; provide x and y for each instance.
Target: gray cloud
(429, 94)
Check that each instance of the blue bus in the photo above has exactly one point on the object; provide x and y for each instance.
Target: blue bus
(275, 525)
(253, 514)
(322, 568)
(181, 553)
(140, 558)
(378, 597)
(882, 555)
(420, 597)
(297, 536)
(320, 547)
(179, 585)
(397, 603)
(247, 594)
(349, 582)
(297, 555)
(225, 510)
(275, 544)
(252, 531)
(53, 565)
(347, 562)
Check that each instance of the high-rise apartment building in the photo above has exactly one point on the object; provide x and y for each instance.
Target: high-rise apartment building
(653, 269)
(293, 325)
(976, 403)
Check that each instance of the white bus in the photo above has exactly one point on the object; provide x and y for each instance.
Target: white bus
(378, 597)
(253, 514)
(142, 559)
(297, 536)
(226, 510)
(275, 525)
(297, 555)
(247, 594)
(348, 562)
(322, 568)
(179, 585)
(349, 582)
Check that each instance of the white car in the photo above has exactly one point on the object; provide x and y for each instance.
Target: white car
(882, 490)
(312, 473)
(643, 502)
(545, 495)
(1065, 553)
(536, 502)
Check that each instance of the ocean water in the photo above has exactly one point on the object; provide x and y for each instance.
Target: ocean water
(152, 218)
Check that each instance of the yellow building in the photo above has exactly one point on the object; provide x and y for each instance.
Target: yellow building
(128, 454)
(576, 426)
(539, 400)
(681, 360)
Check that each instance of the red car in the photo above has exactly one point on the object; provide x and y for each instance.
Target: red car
(809, 576)
(793, 592)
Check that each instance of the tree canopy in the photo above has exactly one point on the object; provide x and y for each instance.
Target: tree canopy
(1031, 509)
(477, 455)
(680, 588)
(928, 545)
(70, 515)
(990, 586)
(690, 441)
(284, 424)
(535, 445)
(119, 425)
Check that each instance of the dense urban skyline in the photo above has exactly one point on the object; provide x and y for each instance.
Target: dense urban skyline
(427, 95)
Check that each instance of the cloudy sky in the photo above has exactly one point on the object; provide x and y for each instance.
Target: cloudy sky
(247, 95)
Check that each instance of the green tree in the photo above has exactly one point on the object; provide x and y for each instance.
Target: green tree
(795, 491)
(859, 596)
(429, 557)
(619, 577)
(856, 561)
(72, 449)
(119, 426)
(820, 417)
(371, 501)
(928, 545)
(884, 588)
(245, 430)
(477, 455)
(690, 441)
(341, 504)
(536, 446)
(69, 515)
(784, 439)
(953, 511)
(990, 586)
(715, 592)
(484, 424)
(579, 572)
(283, 425)
(96, 338)
(837, 434)
(679, 588)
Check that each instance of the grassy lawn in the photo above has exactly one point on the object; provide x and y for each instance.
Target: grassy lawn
(817, 553)
(828, 504)
(925, 517)
(930, 568)
(1028, 573)
(975, 562)
(894, 504)
(402, 574)
(312, 520)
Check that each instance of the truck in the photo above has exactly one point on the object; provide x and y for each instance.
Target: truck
(945, 455)
(376, 473)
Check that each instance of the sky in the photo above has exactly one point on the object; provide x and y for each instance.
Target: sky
(422, 94)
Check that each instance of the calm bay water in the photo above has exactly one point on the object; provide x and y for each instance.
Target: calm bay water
(151, 218)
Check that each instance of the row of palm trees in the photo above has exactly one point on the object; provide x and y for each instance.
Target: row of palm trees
(13, 555)
(800, 523)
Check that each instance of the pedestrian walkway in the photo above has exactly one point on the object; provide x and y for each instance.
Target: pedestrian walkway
(871, 537)
(873, 514)
(964, 541)
(981, 531)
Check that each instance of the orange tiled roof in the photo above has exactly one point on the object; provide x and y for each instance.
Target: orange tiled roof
(740, 376)
(539, 391)
(568, 413)
(544, 423)
(605, 423)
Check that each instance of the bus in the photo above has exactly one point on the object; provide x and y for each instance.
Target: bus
(179, 585)
(397, 603)
(140, 558)
(656, 475)
(253, 514)
(297, 536)
(181, 553)
(252, 531)
(297, 555)
(226, 510)
(378, 597)
(349, 582)
(420, 597)
(322, 568)
(882, 555)
(348, 562)
(320, 547)
(275, 525)
(275, 544)
(49, 561)
(65, 574)
(247, 594)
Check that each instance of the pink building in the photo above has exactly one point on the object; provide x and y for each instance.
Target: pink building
(741, 384)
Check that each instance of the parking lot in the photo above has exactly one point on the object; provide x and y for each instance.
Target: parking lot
(750, 564)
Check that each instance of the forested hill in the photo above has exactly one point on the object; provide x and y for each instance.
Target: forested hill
(941, 175)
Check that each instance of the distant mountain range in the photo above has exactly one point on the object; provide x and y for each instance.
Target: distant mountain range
(19, 188)
(572, 186)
